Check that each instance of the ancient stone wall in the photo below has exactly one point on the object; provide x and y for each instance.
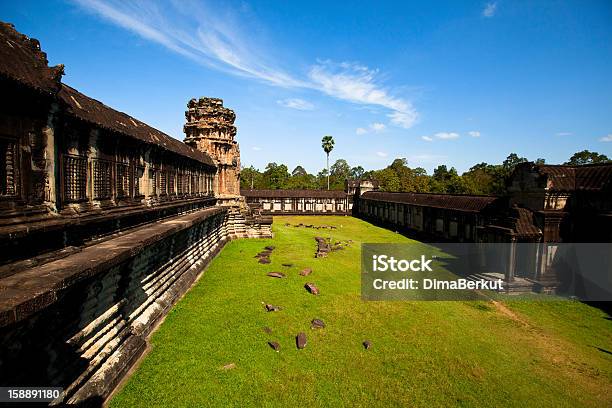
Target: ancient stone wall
(80, 322)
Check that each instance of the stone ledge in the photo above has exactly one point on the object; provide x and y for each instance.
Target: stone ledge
(27, 292)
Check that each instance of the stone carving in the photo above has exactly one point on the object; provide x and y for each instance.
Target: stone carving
(210, 128)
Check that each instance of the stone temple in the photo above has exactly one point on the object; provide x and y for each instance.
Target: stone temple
(106, 221)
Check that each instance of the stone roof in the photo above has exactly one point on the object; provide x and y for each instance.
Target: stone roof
(590, 177)
(293, 193)
(467, 203)
(22, 60)
(95, 112)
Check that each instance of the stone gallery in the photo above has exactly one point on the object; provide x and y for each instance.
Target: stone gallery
(105, 222)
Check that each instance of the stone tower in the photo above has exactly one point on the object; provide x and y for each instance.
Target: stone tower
(210, 128)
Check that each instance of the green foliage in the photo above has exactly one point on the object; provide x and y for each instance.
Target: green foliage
(482, 178)
(587, 157)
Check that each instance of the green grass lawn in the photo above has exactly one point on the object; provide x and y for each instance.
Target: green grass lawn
(510, 353)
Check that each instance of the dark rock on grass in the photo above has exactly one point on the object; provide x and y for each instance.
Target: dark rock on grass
(267, 330)
(300, 340)
(306, 271)
(264, 254)
(367, 344)
(310, 287)
(270, 248)
(317, 324)
(264, 260)
(276, 274)
(288, 265)
(275, 346)
(272, 308)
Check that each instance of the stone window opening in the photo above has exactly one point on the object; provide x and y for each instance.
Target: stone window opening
(138, 174)
(122, 187)
(8, 168)
(102, 177)
(75, 178)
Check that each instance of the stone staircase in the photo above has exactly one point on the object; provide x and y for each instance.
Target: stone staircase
(244, 222)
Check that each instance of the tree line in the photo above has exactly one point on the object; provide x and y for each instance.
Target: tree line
(482, 178)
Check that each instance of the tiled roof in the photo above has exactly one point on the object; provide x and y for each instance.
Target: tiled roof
(589, 177)
(469, 203)
(22, 60)
(293, 193)
(523, 223)
(96, 113)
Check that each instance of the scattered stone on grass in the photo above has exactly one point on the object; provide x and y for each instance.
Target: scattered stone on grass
(288, 265)
(276, 274)
(272, 308)
(306, 271)
(229, 366)
(267, 330)
(264, 260)
(367, 344)
(300, 340)
(310, 287)
(323, 247)
(270, 248)
(275, 346)
(317, 324)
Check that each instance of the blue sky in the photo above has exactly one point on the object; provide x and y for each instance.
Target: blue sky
(454, 83)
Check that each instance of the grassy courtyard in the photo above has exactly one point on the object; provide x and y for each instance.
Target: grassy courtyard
(511, 353)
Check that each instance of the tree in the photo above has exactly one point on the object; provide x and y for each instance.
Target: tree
(298, 171)
(339, 172)
(275, 176)
(511, 161)
(327, 143)
(357, 172)
(587, 157)
(250, 178)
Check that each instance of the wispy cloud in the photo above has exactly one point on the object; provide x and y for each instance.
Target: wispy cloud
(474, 133)
(219, 39)
(607, 138)
(563, 134)
(381, 154)
(357, 83)
(489, 10)
(296, 103)
(376, 127)
(446, 135)
(256, 148)
(442, 136)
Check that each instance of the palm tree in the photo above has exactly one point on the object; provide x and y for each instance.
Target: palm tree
(327, 143)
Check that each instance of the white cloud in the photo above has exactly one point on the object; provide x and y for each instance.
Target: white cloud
(489, 10)
(377, 127)
(381, 154)
(219, 39)
(427, 138)
(357, 83)
(256, 148)
(446, 135)
(296, 103)
(474, 133)
(361, 131)
(607, 138)
(563, 134)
